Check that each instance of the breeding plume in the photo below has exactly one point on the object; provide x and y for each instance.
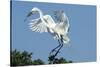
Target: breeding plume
(45, 23)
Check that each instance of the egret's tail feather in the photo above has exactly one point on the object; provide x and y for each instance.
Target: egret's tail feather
(66, 39)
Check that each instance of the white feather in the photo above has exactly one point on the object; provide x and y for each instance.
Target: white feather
(45, 23)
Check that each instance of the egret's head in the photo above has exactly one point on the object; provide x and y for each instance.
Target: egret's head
(35, 9)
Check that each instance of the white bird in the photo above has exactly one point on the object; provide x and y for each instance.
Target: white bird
(45, 23)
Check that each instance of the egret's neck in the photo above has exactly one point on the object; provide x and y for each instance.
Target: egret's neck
(40, 13)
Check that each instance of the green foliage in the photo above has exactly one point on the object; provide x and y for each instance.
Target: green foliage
(23, 58)
(38, 62)
(61, 60)
(19, 58)
(53, 60)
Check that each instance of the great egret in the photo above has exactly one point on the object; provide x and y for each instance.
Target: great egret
(45, 23)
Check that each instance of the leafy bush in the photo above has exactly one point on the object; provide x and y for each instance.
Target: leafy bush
(19, 58)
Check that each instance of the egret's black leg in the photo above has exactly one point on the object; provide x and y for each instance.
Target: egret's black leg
(59, 49)
(52, 57)
(61, 44)
(56, 47)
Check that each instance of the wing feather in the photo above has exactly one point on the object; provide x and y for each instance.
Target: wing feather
(38, 26)
(62, 18)
(49, 20)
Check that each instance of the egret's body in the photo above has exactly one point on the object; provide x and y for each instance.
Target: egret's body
(45, 23)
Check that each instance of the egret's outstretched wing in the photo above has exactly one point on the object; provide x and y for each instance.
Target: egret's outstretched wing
(61, 16)
(65, 19)
(38, 26)
(49, 21)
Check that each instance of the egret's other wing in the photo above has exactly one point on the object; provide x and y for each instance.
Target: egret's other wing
(38, 26)
(65, 21)
(49, 20)
(61, 17)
